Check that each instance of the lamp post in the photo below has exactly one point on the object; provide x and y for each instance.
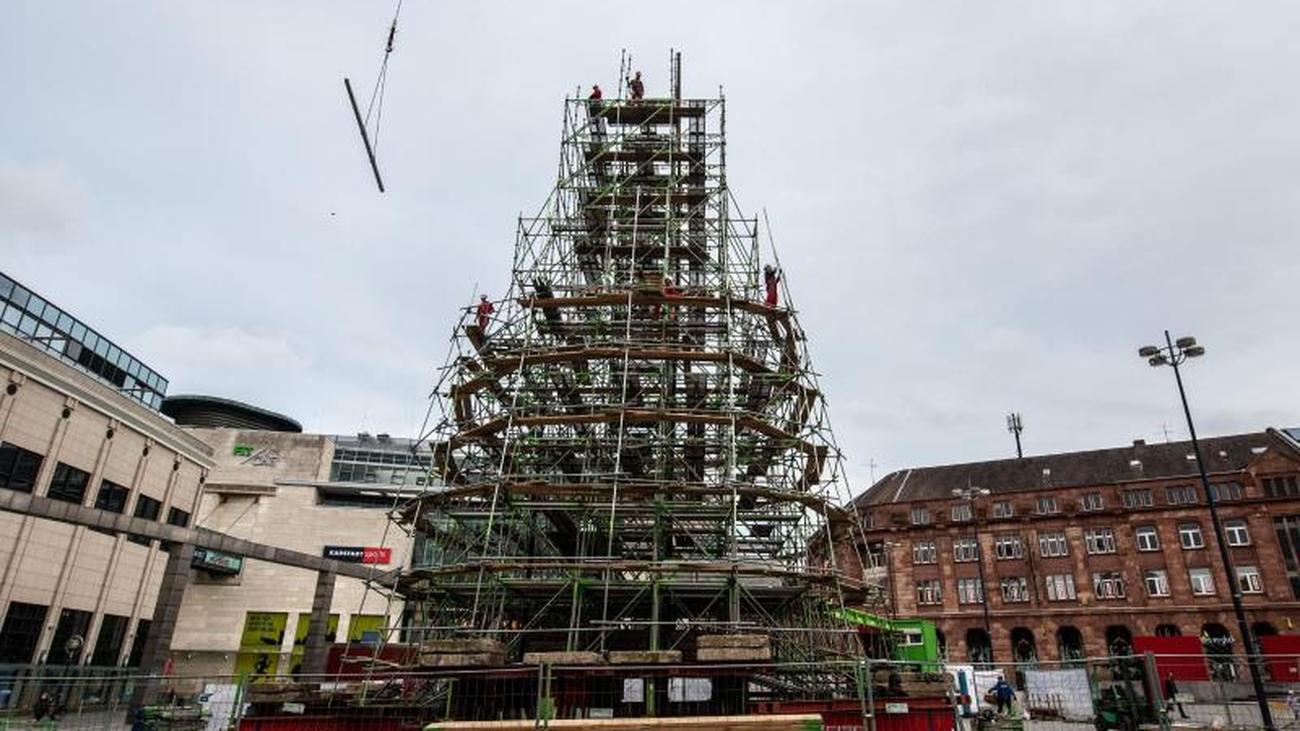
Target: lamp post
(1174, 354)
(969, 495)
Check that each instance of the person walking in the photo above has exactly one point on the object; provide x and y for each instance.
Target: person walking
(1171, 696)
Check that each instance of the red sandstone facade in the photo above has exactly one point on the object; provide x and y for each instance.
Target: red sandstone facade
(1073, 564)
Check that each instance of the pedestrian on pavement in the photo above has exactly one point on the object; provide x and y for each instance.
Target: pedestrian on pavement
(1171, 696)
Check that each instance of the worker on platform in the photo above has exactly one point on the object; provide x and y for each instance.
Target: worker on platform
(595, 93)
(484, 312)
(1004, 694)
(636, 87)
(771, 278)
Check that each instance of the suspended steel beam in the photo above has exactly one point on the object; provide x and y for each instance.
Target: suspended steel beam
(365, 138)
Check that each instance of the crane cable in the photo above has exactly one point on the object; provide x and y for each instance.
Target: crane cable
(377, 96)
(376, 107)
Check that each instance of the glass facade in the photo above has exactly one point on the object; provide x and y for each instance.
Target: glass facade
(381, 460)
(26, 315)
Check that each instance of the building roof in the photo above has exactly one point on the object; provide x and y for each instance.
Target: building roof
(214, 412)
(28, 316)
(1138, 461)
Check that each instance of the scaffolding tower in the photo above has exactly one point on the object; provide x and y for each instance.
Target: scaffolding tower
(635, 451)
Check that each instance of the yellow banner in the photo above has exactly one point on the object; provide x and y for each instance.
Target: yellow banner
(263, 631)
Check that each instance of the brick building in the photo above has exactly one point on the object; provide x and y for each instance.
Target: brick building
(1081, 551)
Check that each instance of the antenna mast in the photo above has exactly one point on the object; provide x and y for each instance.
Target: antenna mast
(1015, 425)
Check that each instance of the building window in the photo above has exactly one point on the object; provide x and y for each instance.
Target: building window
(1008, 547)
(929, 591)
(1236, 532)
(1003, 509)
(1060, 588)
(1108, 584)
(1048, 506)
(920, 516)
(961, 512)
(965, 549)
(1091, 502)
(137, 644)
(1287, 529)
(108, 646)
(1052, 545)
(111, 497)
(1181, 495)
(1282, 486)
(1099, 540)
(1015, 589)
(970, 591)
(72, 623)
(68, 484)
(1147, 538)
(149, 509)
(1248, 580)
(177, 517)
(1157, 582)
(18, 467)
(20, 632)
(1225, 491)
(924, 552)
(1202, 581)
(1189, 534)
(1137, 499)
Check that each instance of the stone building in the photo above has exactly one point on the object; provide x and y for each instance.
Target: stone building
(318, 494)
(79, 424)
(1079, 553)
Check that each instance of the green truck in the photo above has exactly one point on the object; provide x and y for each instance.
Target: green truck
(902, 640)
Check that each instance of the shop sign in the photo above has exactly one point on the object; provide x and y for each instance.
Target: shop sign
(360, 554)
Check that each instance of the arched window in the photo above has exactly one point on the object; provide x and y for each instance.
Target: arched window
(1023, 648)
(1218, 643)
(1119, 640)
(1069, 643)
(979, 649)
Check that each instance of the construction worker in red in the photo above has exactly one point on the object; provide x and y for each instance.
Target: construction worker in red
(595, 93)
(771, 278)
(484, 312)
(636, 88)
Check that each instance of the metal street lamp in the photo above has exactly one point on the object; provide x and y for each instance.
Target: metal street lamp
(969, 494)
(1174, 354)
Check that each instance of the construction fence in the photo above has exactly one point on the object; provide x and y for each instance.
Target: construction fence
(1127, 692)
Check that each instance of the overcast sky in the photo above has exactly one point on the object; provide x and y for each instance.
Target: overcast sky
(981, 207)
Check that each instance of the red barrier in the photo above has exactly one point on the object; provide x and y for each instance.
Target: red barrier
(1284, 663)
(1183, 656)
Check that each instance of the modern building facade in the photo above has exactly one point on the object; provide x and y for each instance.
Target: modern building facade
(79, 424)
(1066, 555)
(314, 493)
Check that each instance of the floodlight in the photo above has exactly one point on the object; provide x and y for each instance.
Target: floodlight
(1147, 351)
(1185, 342)
(1195, 351)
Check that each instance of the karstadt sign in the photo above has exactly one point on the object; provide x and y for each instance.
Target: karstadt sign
(360, 554)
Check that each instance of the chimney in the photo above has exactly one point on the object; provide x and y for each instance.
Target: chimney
(1139, 442)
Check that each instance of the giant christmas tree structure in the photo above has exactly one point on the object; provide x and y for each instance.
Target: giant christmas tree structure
(637, 462)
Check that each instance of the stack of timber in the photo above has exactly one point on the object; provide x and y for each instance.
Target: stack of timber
(475, 653)
(783, 722)
(574, 657)
(889, 682)
(733, 648)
